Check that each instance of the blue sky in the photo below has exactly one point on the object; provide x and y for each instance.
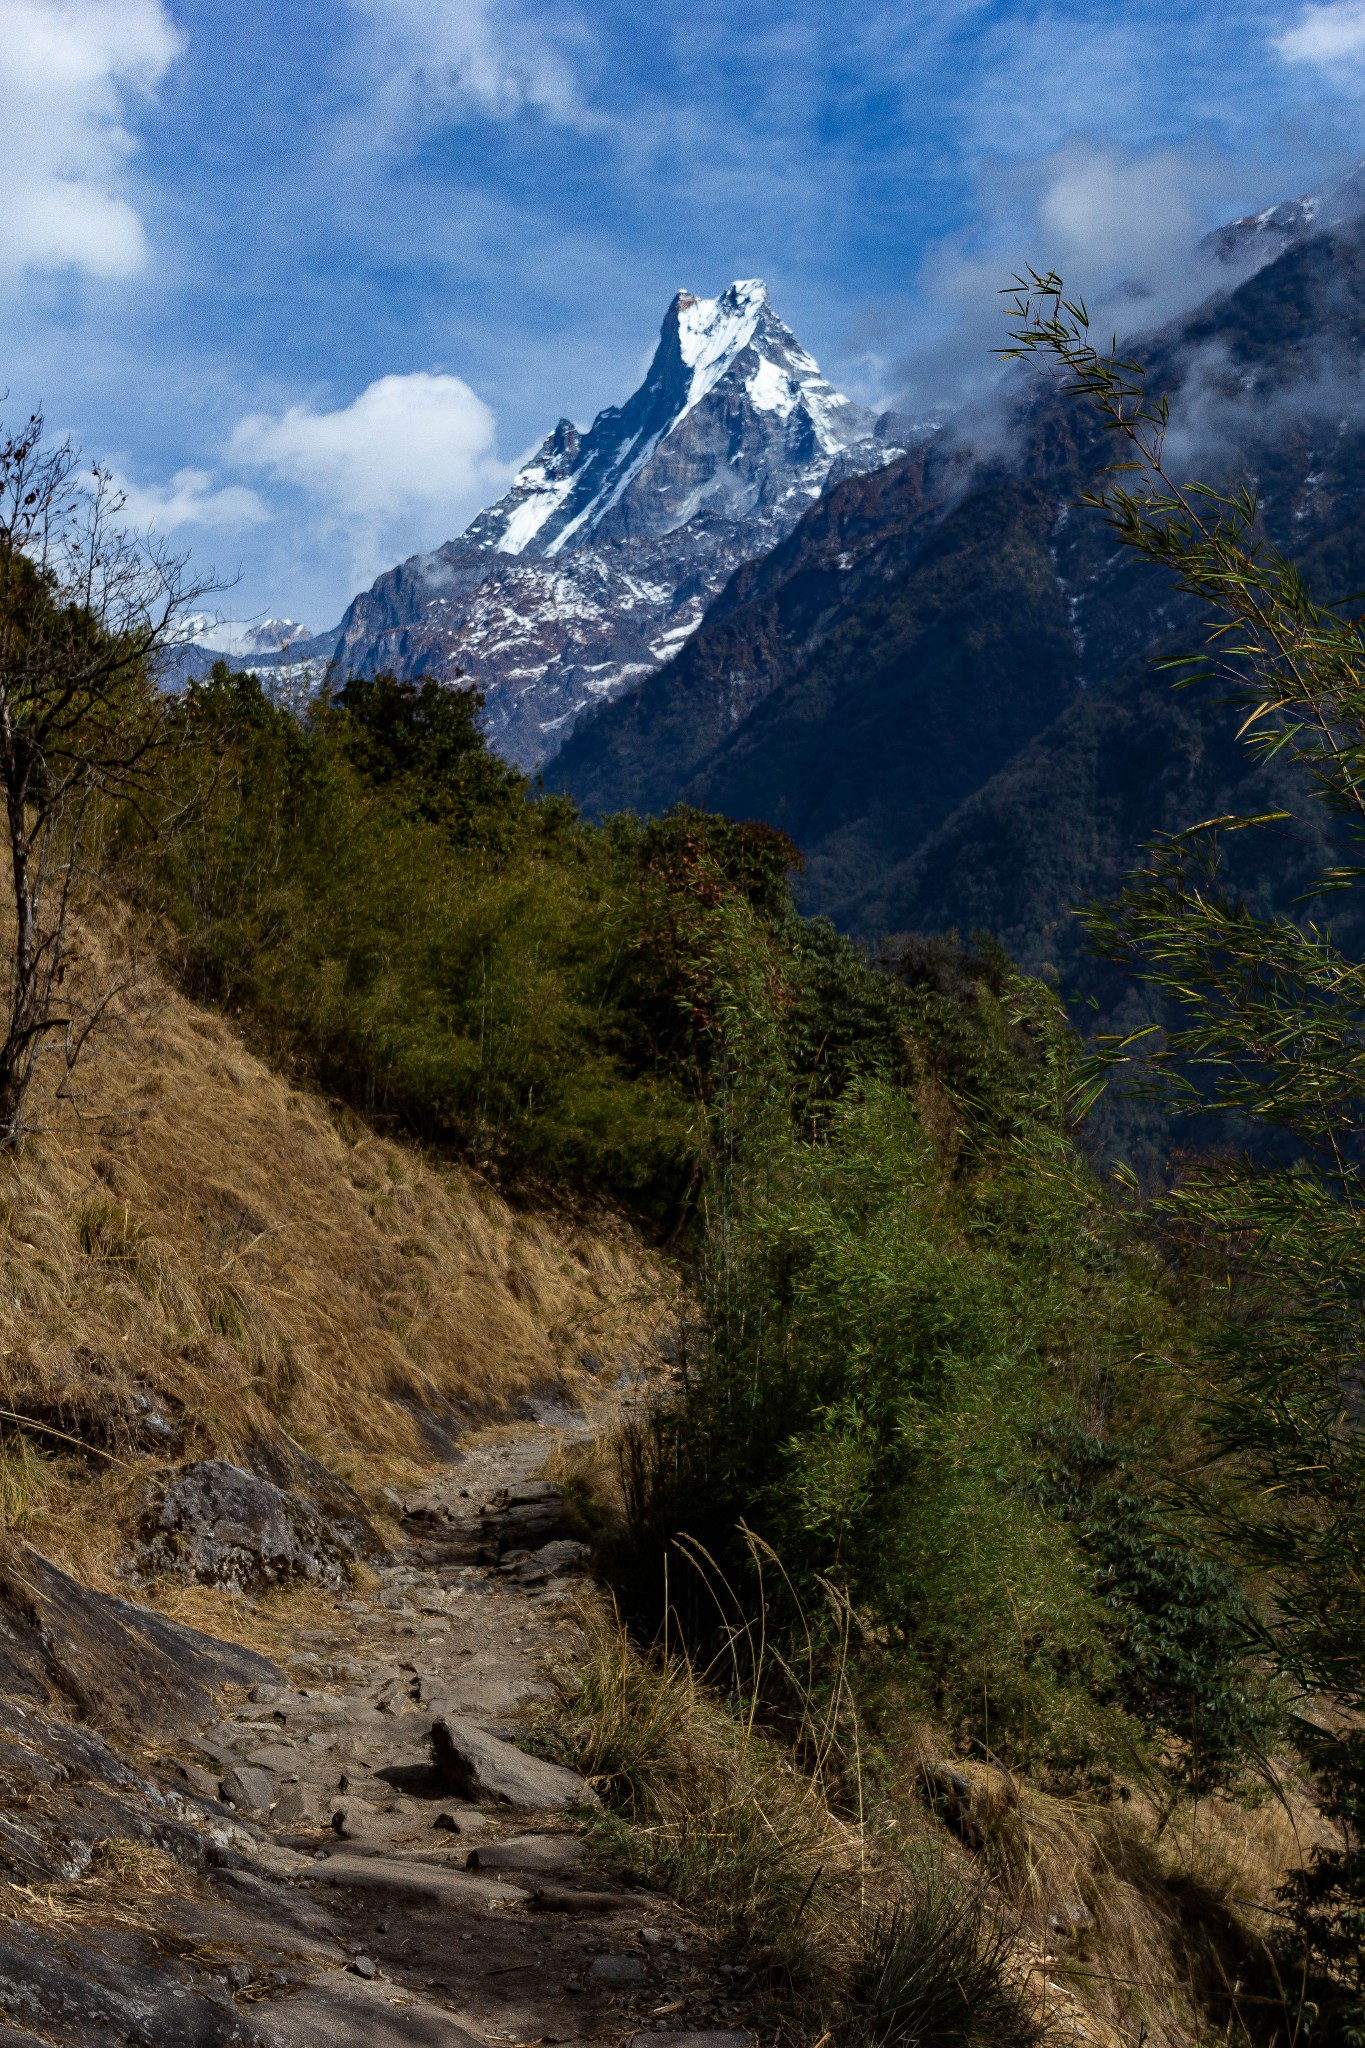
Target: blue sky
(312, 277)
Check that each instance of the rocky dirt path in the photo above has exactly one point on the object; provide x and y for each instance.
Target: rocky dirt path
(416, 1868)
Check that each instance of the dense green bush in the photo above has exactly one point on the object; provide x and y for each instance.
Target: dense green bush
(388, 904)
(909, 1305)
(384, 903)
(1184, 1631)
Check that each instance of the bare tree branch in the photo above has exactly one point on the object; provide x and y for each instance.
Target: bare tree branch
(90, 615)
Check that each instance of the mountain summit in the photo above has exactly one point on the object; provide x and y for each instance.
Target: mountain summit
(601, 558)
(733, 418)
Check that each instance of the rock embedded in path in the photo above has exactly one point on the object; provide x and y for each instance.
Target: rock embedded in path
(344, 2011)
(563, 1898)
(521, 1518)
(471, 1764)
(717, 2037)
(353, 1870)
(296, 1803)
(215, 1525)
(197, 1778)
(527, 1852)
(248, 1789)
(280, 1757)
(617, 1970)
(551, 1561)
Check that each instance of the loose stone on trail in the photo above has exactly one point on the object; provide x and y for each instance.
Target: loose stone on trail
(486, 1770)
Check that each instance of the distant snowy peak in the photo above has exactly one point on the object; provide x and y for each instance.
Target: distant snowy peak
(600, 561)
(733, 418)
(1269, 233)
(246, 636)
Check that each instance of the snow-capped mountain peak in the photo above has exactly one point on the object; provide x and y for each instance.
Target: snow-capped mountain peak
(245, 636)
(1265, 235)
(732, 418)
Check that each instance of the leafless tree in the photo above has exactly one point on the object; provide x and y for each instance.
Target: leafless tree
(90, 616)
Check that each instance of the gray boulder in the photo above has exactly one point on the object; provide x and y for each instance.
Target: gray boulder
(216, 1525)
(248, 1789)
(480, 1768)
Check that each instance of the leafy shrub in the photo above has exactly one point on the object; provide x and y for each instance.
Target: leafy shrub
(880, 1340)
(1183, 1633)
(1326, 1899)
(382, 901)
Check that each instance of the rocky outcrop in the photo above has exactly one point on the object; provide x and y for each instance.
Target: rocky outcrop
(216, 1525)
(65, 1646)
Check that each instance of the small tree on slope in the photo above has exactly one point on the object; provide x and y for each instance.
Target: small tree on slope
(86, 609)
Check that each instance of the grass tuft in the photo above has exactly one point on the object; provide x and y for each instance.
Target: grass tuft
(936, 1971)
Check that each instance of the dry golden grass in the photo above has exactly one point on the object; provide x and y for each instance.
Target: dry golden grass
(1131, 1923)
(1123, 1926)
(1144, 1927)
(713, 1809)
(116, 1890)
(190, 1229)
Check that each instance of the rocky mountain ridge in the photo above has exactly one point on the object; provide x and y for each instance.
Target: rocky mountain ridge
(941, 684)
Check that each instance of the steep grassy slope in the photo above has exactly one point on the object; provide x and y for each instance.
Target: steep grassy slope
(199, 1257)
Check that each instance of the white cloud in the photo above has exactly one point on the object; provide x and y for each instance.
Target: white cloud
(1097, 209)
(67, 71)
(1105, 218)
(438, 57)
(1333, 33)
(190, 499)
(402, 467)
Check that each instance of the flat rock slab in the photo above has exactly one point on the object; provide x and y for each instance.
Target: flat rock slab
(276, 1756)
(345, 2012)
(473, 1765)
(123, 1666)
(527, 1852)
(416, 1880)
(617, 1970)
(720, 2037)
(560, 1898)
